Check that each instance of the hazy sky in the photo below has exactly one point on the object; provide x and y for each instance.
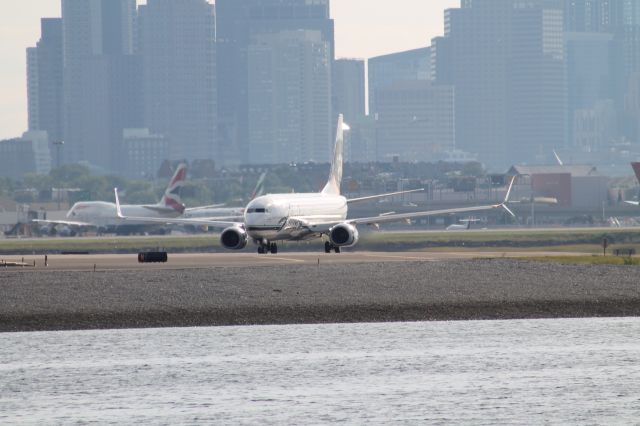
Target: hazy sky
(363, 28)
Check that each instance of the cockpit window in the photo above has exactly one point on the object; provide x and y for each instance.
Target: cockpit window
(257, 210)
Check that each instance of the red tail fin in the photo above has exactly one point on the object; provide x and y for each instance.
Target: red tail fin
(171, 198)
(636, 169)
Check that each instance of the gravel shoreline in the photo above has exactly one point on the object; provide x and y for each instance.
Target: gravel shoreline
(359, 292)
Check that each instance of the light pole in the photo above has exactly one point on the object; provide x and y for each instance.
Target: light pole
(58, 145)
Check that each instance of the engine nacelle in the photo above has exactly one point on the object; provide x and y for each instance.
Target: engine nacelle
(343, 235)
(234, 238)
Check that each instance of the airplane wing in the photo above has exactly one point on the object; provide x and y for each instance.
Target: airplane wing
(405, 216)
(161, 210)
(212, 206)
(633, 203)
(61, 222)
(212, 222)
(376, 220)
(375, 197)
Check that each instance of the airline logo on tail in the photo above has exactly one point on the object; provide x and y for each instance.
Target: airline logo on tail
(171, 198)
(636, 169)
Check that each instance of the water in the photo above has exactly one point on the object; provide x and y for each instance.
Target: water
(472, 372)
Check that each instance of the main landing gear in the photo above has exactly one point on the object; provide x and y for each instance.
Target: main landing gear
(267, 247)
(328, 247)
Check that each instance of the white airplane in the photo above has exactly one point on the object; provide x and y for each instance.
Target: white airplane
(102, 215)
(295, 217)
(462, 226)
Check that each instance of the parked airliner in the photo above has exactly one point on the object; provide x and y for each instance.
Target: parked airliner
(102, 215)
(295, 217)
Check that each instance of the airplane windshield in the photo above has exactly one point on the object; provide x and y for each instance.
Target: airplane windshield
(257, 210)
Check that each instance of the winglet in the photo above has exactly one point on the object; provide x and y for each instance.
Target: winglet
(558, 159)
(506, 198)
(118, 211)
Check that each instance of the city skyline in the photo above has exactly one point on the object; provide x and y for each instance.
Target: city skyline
(360, 32)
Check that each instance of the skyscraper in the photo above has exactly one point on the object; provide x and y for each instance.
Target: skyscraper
(400, 66)
(620, 19)
(348, 86)
(177, 43)
(238, 23)
(589, 78)
(591, 15)
(507, 62)
(478, 40)
(101, 94)
(537, 85)
(289, 97)
(348, 89)
(415, 121)
(44, 80)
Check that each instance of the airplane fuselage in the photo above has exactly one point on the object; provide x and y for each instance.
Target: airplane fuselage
(103, 214)
(214, 212)
(279, 217)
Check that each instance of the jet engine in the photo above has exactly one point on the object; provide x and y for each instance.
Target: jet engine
(234, 238)
(343, 235)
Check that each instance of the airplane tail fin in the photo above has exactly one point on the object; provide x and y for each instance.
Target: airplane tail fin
(636, 169)
(335, 177)
(171, 198)
(259, 189)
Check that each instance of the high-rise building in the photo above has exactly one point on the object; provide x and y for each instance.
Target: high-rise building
(478, 43)
(289, 88)
(388, 69)
(594, 128)
(589, 77)
(441, 60)
(238, 23)
(44, 80)
(28, 154)
(101, 94)
(348, 85)
(591, 15)
(620, 19)
(177, 43)
(506, 60)
(348, 89)
(538, 84)
(144, 153)
(415, 121)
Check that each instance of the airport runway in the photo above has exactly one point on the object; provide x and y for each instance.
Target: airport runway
(246, 288)
(239, 259)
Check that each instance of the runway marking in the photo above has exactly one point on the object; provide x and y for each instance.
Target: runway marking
(399, 257)
(267, 257)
